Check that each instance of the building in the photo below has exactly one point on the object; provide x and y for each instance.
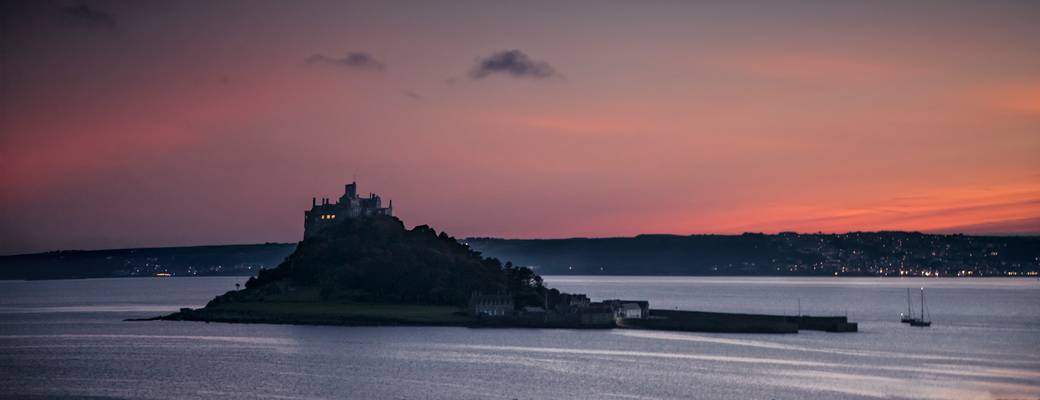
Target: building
(629, 308)
(532, 315)
(597, 314)
(569, 303)
(350, 205)
(490, 305)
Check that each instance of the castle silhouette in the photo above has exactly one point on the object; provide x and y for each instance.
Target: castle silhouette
(348, 206)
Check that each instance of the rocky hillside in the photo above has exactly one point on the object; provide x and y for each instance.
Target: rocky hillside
(378, 260)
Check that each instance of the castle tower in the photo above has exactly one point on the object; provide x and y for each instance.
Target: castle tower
(348, 206)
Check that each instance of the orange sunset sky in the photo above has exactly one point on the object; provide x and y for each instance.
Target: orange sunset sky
(145, 123)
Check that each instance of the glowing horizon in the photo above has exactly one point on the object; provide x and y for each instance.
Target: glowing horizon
(128, 124)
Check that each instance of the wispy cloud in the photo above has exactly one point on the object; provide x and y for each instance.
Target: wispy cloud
(513, 63)
(412, 95)
(814, 67)
(356, 60)
(1017, 97)
(89, 17)
(1021, 226)
(1002, 209)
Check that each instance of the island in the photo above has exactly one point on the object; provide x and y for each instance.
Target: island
(360, 265)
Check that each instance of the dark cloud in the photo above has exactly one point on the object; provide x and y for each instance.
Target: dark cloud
(357, 60)
(412, 95)
(514, 63)
(88, 16)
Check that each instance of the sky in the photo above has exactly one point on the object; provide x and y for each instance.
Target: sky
(146, 123)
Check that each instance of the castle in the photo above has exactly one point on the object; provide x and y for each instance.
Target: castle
(348, 206)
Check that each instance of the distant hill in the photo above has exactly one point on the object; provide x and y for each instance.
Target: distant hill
(858, 253)
(243, 260)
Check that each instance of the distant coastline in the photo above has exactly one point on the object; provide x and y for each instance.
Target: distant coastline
(869, 254)
(890, 254)
(218, 260)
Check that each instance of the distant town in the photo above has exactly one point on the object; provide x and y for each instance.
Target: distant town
(890, 254)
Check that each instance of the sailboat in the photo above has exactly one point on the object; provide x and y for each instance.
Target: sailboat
(909, 316)
(921, 322)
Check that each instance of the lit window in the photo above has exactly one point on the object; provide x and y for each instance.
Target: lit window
(333, 216)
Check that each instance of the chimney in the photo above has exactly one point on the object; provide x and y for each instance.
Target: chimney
(314, 201)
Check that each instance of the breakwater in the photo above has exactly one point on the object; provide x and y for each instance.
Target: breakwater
(702, 321)
(412, 315)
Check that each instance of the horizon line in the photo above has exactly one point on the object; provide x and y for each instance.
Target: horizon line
(148, 247)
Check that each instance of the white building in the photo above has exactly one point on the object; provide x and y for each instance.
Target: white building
(630, 310)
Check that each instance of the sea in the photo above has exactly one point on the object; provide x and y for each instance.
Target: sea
(68, 339)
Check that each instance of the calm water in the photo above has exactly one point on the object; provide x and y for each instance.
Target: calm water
(67, 338)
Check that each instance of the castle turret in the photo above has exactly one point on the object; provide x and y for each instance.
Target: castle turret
(348, 206)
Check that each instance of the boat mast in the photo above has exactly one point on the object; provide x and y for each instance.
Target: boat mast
(909, 314)
(921, 303)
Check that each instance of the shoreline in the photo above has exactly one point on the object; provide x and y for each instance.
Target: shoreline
(983, 277)
(405, 315)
